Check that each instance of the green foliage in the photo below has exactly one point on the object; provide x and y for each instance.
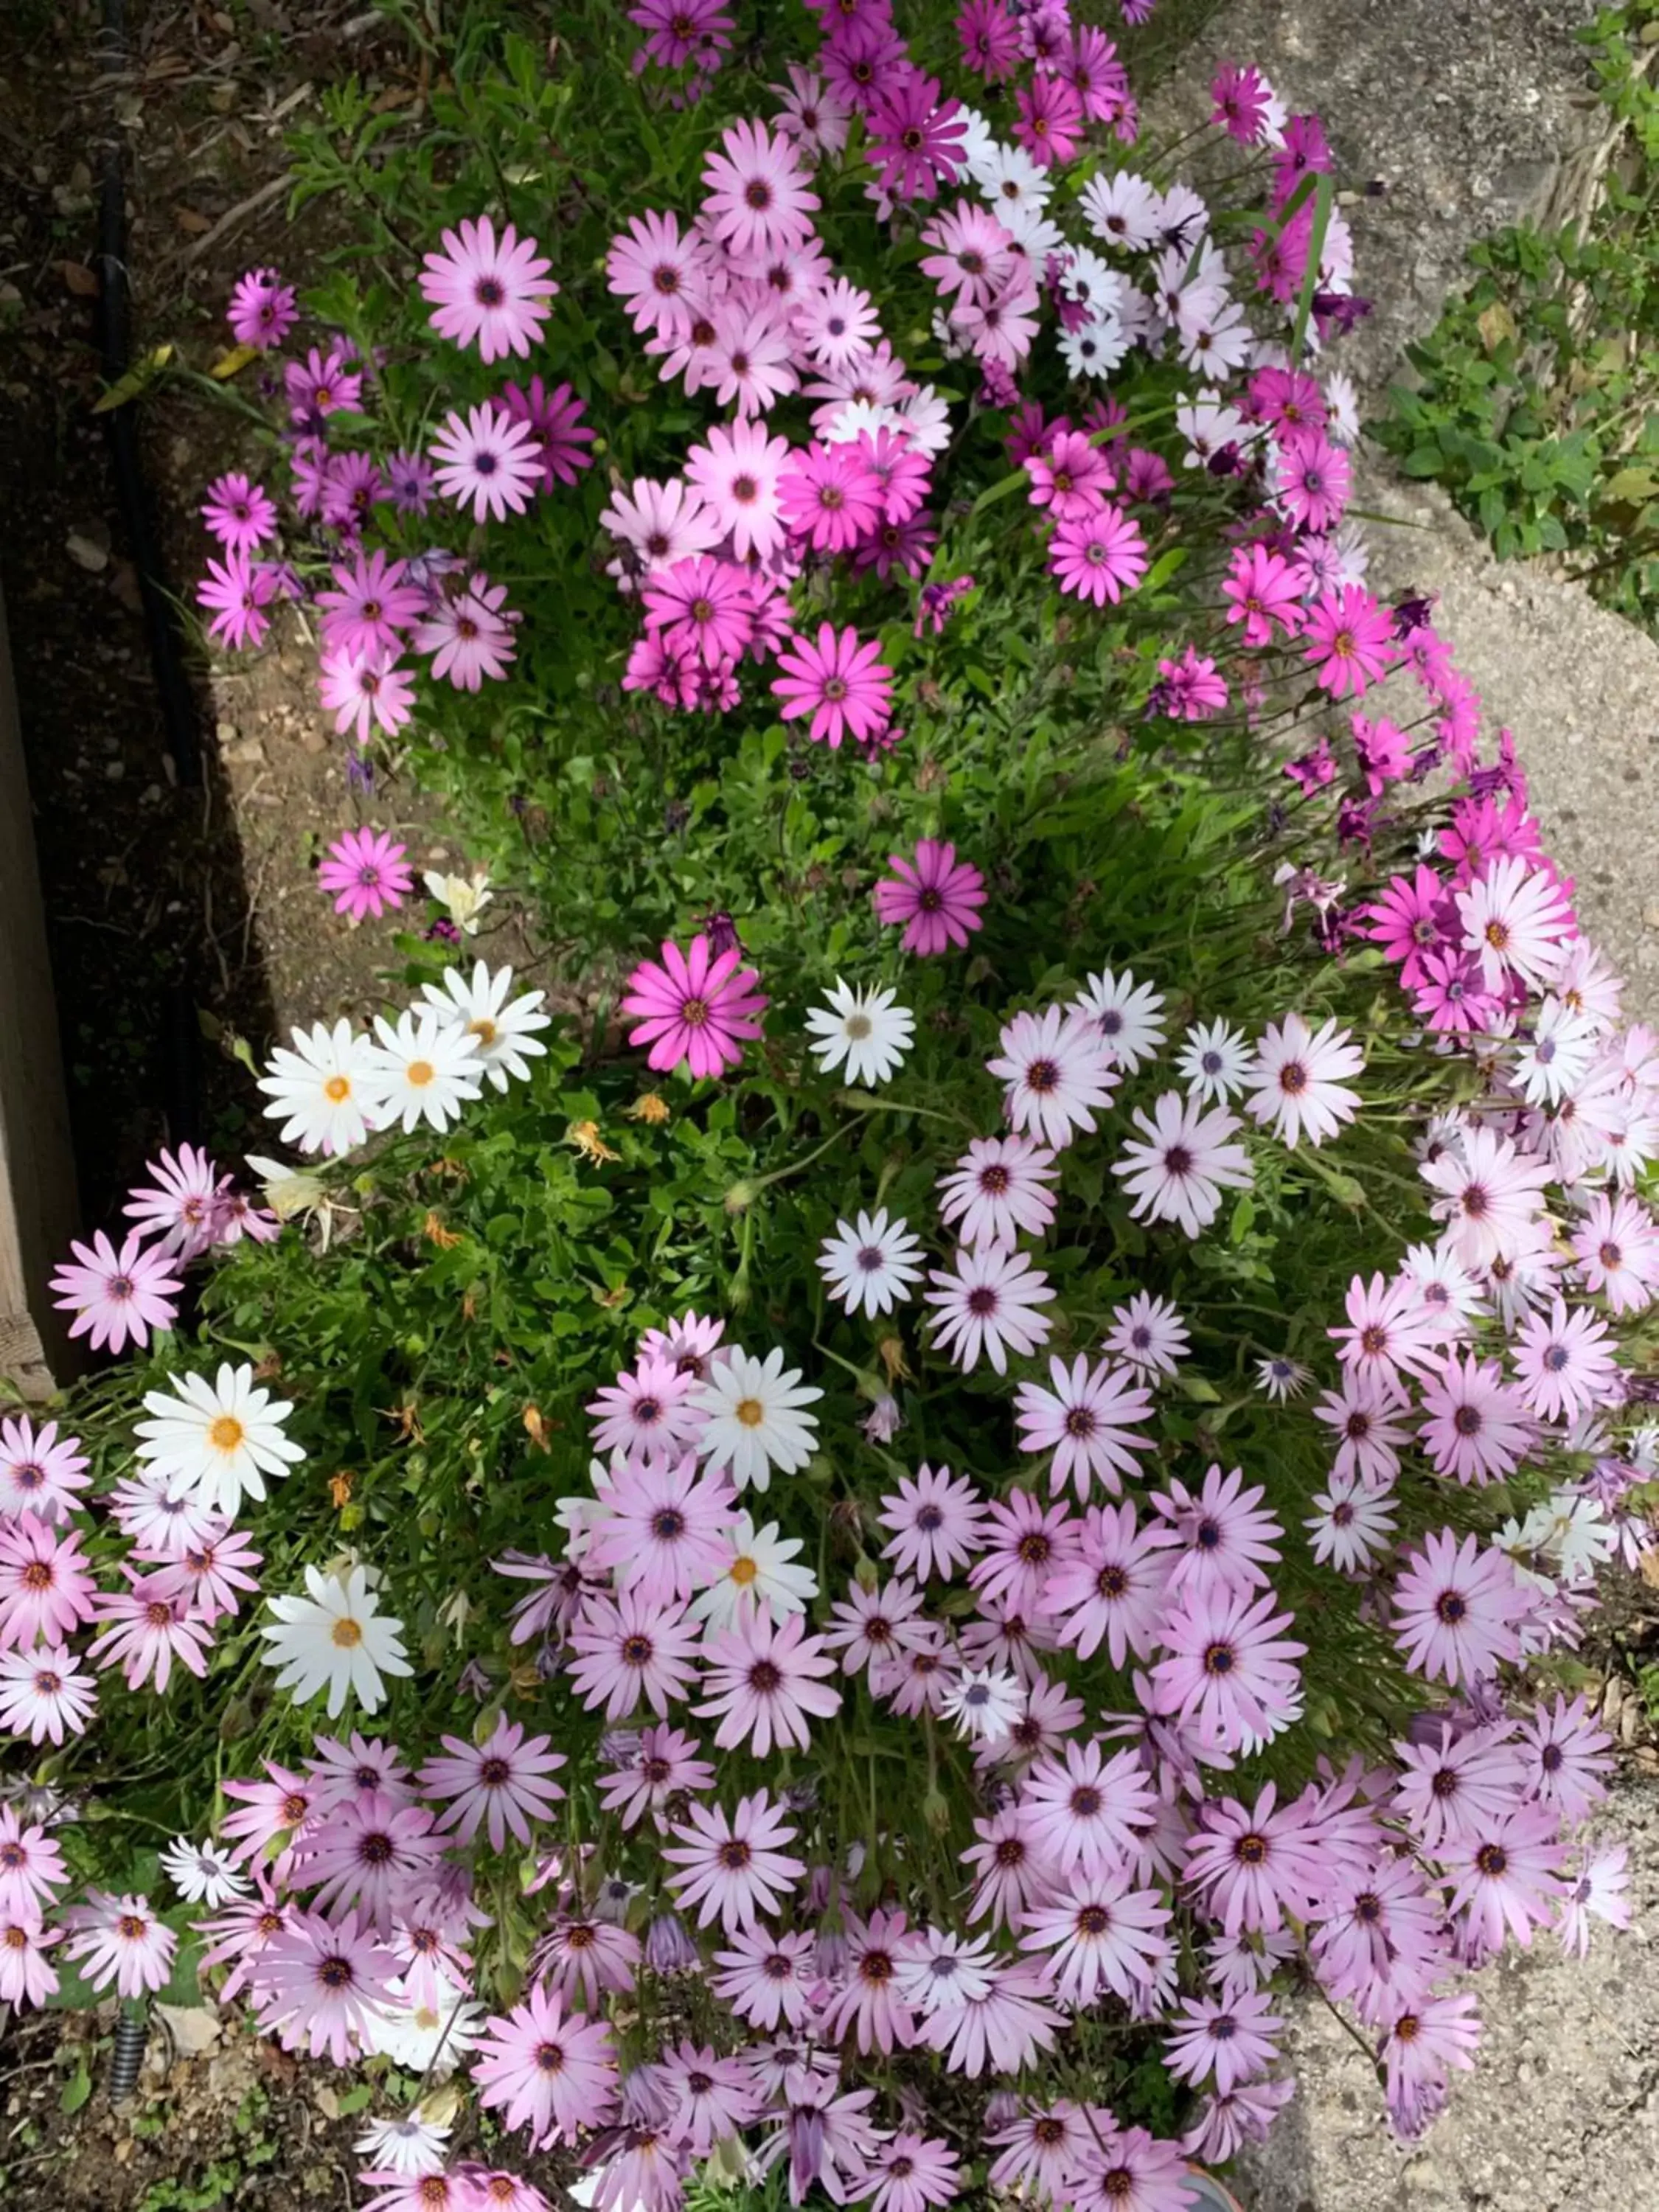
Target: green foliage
(1536, 394)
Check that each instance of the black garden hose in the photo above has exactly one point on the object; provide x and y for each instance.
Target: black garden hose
(127, 2058)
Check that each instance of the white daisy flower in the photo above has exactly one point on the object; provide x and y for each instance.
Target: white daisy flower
(424, 2038)
(985, 1704)
(871, 1264)
(1010, 181)
(1296, 1080)
(503, 1030)
(216, 1442)
(1281, 1378)
(287, 1191)
(336, 1638)
(1123, 211)
(754, 1419)
(327, 1086)
(864, 1029)
(204, 1874)
(464, 897)
(926, 420)
(1128, 1016)
(1095, 348)
(758, 1577)
(408, 2144)
(427, 1071)
(861, 418)
(1214, 1063)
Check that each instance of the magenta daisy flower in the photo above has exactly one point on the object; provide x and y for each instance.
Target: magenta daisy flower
(1098, 557)
(842, 684)
(935, 896)
(1456, 1607)
(240, 514)
(1050, 125)
(365, 871)
(733, 1865)
(1089, 1420)
(485, 461)
(1349, 640)
(678, 31)
(369, 604)
(1230, 1672)
(500, 1784)
(555, 419)
(917, 141)
(116, 1296)
(765, 1678)
(1260, 589)
(549, 2071)
(830, 496)
(363, 690)
(488, 291)
(263, 309)
(469, 635)
(693, 1008)
(1314, 480)
(701, 605)
(236, 593)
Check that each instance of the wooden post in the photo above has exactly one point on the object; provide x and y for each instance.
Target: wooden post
(39, 1209)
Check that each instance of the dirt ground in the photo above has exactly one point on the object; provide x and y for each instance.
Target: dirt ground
(182, 914)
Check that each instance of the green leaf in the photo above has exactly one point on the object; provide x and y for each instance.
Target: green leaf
(76, 2090)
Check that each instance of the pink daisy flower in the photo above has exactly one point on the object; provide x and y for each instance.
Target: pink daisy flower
(665, 524)
(500, 1784)
(869, 2006)
(1616, 1247)
(1517, 920)
(145, 1628)
(365, 870)
(41, 1473)
(186, 1208)
(121, 1940)
(1090, 1421)
(660, 1766)
(909, 2173)
(1099, 555)
(1450, 1785)
(830, 496)
(31, 1867)
(988, 1302)
(1054, 1069)
(485, 461)
(842, 683)
(1148, 1334)
(917, 141)
(934, 894)
(1478, 1428)
(766, 1978)
(737, 470)
(1115, 1588)
(1491, 1195)
(488, 291)
(1566, 1363)
(1315, 478)
(1252, 1865)
(1296, 1080)
(1364, 1417)
(647, 1410)
(733, 1865)
(361, 690)
(1070, 477)
(665, 1533)
(937, 1520)
(263, 309)
(1231, 2038)
(26, 1976)
(468, 635)
(1102, 1934)
(1456, 1607)
(1224, 1535)
(766, 1678)
(1231, 1673)
(1565, 1757)
(693, 1008)
(240, 514)
(1506, 1875)
(630, 1650)
(756, 197)
(547, 2070)
(1389, 1331)
(1183, 1162)
(370, 605)
(116, 1296)
(996, 1190)
(750, 359)
(1088, 1810)
(1426, 2037)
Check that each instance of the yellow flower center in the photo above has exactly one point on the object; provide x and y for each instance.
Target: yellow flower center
(226, 1433)
(337, 1087)
(744, 1572)
(348, 1634)
(750, 1412)
(483, 1029)
(420, 1074)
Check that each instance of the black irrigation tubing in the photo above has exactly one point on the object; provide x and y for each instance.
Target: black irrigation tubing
(180, 1033)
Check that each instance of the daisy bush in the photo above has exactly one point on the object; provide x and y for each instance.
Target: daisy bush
(826, 1545)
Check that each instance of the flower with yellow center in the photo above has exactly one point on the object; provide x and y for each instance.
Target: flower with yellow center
(760, 1578)
(216, 1442)
(753, 1418)
(335, 1637)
